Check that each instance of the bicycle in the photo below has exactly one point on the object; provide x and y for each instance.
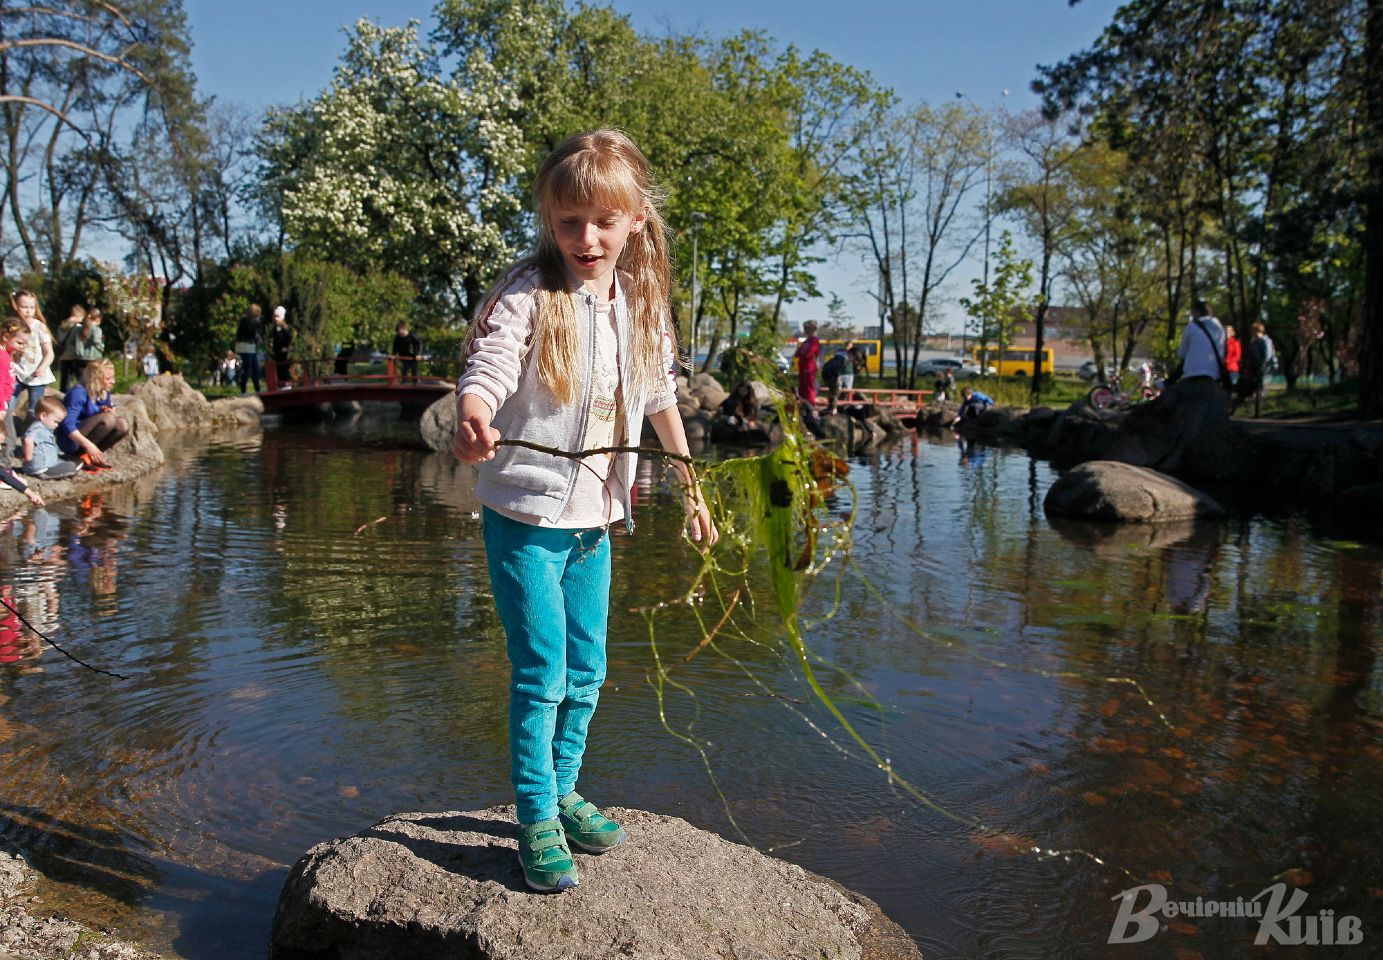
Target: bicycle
(1112, 396)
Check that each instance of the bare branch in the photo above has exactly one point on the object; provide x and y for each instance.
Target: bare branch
(80, 48)
(12, 98)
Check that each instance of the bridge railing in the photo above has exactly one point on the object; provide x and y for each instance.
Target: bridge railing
(886, 398)
(395, 371)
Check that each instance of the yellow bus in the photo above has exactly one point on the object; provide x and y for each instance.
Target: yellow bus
(1016, 361)
(873, 353)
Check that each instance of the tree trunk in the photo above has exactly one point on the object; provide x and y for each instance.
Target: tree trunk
(1371, 347)
(1040, 321)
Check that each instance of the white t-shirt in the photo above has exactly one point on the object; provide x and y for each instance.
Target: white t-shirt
(1202, 348)
(28, 362)
(596, 499)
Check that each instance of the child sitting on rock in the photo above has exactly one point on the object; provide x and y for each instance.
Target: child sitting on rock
(41, 456)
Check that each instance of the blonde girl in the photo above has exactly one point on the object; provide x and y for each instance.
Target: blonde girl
(571, 351)
(91, 426)
(33, 370)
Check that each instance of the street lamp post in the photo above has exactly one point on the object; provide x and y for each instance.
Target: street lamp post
(988, 218)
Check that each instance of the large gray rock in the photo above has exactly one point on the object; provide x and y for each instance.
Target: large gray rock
(438, 423)
(851, 436)
(441, 885)
(172, 404)
(1081, 433)
(696, 425)
(708, 392)
(1159, 434)
(936, 415)
(237, 411)
(1108, 490)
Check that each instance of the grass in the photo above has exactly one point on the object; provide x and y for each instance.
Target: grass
(1334, 401)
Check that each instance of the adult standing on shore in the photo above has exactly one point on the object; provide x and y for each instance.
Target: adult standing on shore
(280, 339)
(67, 345)
(1234, 350)
(1202, 347)
(407, 349)
(247, 346)
(1257, 357)
(34, 369)
(807, 355)
(846, 382)
(79, 346)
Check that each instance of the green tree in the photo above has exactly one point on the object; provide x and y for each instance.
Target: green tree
(1110, 265)
(912, 178)
(1043, 198)
(437, 205)
(995, 304)
(1242, 122)
(75, 77)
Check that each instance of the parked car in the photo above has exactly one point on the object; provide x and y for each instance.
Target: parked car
(960, 369)
(1089, 370)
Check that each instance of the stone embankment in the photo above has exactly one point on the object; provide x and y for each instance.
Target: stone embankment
(698, 401)
(25, 936)
(449, 885)
(160, 405)
(1333, 472)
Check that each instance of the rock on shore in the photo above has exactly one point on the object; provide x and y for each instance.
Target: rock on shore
(27, 937)
(172, 404)
(1109, 490)
(448, 885)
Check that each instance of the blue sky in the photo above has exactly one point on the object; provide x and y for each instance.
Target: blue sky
(258, 53)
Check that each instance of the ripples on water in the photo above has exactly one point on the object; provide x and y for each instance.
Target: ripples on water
(305, 620)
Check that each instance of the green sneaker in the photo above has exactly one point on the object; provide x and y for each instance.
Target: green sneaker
(545, 858)
(586, 827)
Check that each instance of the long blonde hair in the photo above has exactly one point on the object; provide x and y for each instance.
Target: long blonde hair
(599, 168)
(97, 370)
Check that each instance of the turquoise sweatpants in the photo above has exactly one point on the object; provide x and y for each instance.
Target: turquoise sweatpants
(552, 591)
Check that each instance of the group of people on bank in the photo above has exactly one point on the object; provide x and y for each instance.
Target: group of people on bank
(1210, 350)
(837, 373)
(242, 364)
(57, 434)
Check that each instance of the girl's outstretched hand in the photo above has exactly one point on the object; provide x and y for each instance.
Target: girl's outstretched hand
(474, 438)
(699, 523)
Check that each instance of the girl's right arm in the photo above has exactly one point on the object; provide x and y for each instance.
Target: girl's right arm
(494, 363)
(474, 439)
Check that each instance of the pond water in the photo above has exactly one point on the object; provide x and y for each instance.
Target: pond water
(304, 618)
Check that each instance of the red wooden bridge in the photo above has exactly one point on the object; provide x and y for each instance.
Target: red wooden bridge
(311, 382)
(898, 401)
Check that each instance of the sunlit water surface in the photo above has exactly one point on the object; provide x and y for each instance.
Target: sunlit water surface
(305, 622)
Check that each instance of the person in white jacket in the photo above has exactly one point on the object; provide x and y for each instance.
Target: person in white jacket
(571, 351)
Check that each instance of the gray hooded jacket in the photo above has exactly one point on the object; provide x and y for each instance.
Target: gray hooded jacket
(500, 370)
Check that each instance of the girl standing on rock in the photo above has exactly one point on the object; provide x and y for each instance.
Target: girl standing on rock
(33, 370)
(570, 351)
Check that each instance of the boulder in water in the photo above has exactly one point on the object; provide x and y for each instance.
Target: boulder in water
(449, 885)
(1109, 490)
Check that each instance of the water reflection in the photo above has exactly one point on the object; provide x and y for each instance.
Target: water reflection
(305, 618)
